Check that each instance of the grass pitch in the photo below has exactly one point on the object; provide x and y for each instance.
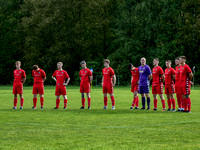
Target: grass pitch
(96, 128)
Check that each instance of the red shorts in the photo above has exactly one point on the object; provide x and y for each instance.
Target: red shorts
(169, 88)
(134, 87)
(85, 88)
(38, 89)
(157, 88)
(177, 88)
(107, 89)
(185, 90)
(18, 89)
(60, 90)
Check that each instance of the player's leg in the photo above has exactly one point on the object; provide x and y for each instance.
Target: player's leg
(15, 92)
(21, 101)
(135, 96)
(162, 101)
(155, 101)
(178, 101)
(89, 100)
(83, 100)
(169, 102)
(173, 102)
(110, 91)
(148, 101)
(42, 100)
(105, 97)
(57, 94)
(65, 101)
(188, 103)
(34, 101)
(15, 101)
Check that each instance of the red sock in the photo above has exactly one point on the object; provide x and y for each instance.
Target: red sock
(22, 102)
(134, 101)
(155, 103)
(89, 101)
(180, 99)
(57, 103)
(137, 102)
(169, 101)
(173, 103)
(188, 104)
(163, 103)
(184, 104)
(113, 100)
(105, 101)
(15, 102)
(83, 102)
(42, 101)
(65, 103)
(34, 102)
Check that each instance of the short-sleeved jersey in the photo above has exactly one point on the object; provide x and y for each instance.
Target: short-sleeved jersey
(61, 76)
(178, 75)
(107, 76)
(18, 76)
(85, 74)
(184, 74)
(144, 72)
(38, 76)
(135, 76)
(156, 74)
(169, 72)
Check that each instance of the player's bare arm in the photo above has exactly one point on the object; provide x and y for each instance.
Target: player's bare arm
(44, 79)
(150, 77)
(23, 80)
(173, 76)
(102, 81)
(68, 79)
(190, 76)
(91, 78)
(163, 78)
(54, 78)
(114, 78)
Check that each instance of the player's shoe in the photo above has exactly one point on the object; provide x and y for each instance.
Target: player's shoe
(142, 108)
(148, 108)
(42, 107)
(169, 109)
(164, 109)
(189, 111)
(173, 110)
(113, 107)
(55, 107)
(105, 107)
(14, 107)
(131, 107)
(64, 107)
(155, 109)
(89, 107)
(82, 107)
(34, 107)
(21, 107)
(136, 107)
(179, 109)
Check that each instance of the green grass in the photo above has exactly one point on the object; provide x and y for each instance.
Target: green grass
(96, 128)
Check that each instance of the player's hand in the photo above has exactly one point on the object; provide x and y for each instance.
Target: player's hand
(65, 84)
(113, 84)
(102, 84)
(191, 83)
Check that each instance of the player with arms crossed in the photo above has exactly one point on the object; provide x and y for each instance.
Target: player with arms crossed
(108, 84)
(157, 85)
(60, 76)
(39, 77)
(178, 83)
(144, 81)
(86, 79)
(186, 77)
(19, 79)
(169, 85)
(134, 85)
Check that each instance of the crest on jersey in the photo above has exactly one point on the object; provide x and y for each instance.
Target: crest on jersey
(135, 71)
(168, 70)
(143, 68)
(183, 68)
(108, 70)
(39, 72)
(62, 72)
(85, 71)
(20, 72)
(179, 68)
(155, 69)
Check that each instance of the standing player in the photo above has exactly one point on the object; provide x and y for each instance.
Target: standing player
(144, 80)
(134, 85)
(60, 76)
(157, 85)
(107, 83)
(186, 77)
(19, 79)
(169, 85)
(39, 77)
(86, 79)
(178, 83)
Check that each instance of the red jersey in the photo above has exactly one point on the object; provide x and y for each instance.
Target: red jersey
(169, 72)
(107, 76)
(178, 75)
(156, 74)
(61, 76)
(38, 76)
(18, 75)
(135, 76)
(85, 74)
(184, 74)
